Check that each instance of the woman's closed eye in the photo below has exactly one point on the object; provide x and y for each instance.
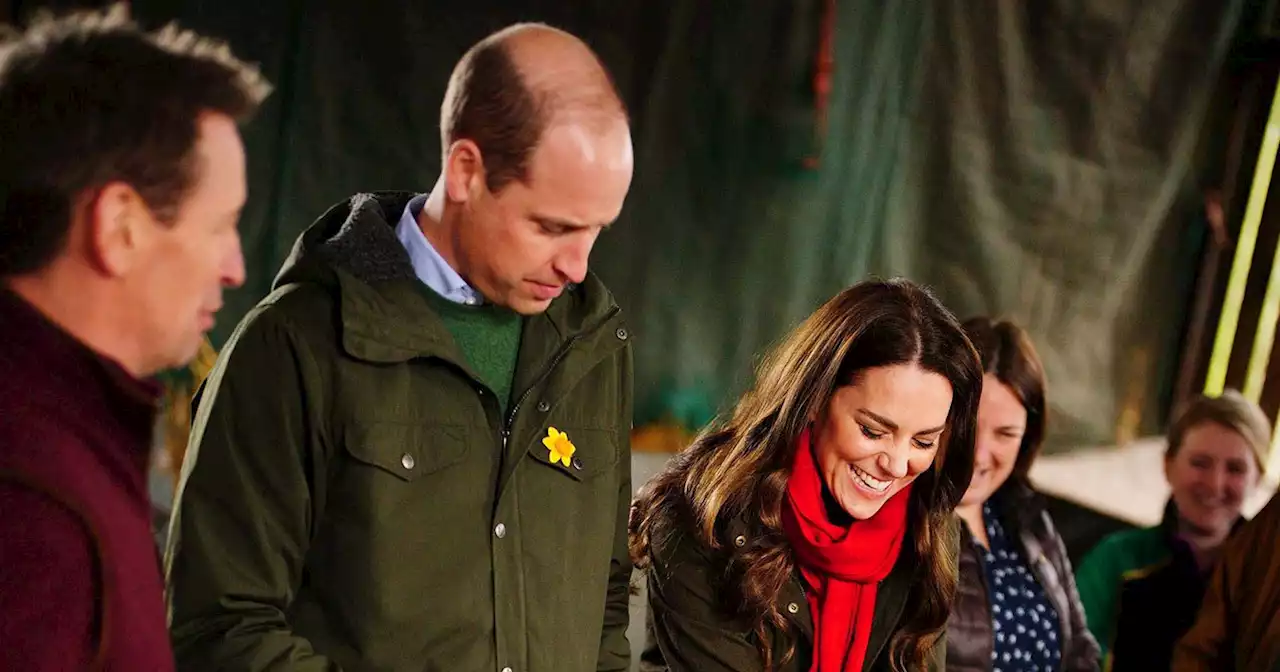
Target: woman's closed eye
(923, 443)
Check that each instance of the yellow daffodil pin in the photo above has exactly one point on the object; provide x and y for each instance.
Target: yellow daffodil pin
(562, 449)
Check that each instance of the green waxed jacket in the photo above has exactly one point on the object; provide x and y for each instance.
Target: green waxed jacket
(353, 498)
(690, 630)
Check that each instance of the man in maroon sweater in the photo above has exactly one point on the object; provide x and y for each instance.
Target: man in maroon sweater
(121, 181)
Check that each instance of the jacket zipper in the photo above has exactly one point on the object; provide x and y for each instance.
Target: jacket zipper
(511, 412)
(555, 361)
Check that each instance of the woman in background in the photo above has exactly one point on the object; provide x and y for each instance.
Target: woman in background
(812, 530)
(1142, 588)
(1017, 607)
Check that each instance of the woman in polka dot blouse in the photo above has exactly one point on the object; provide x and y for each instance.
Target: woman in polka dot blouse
(1016, 606)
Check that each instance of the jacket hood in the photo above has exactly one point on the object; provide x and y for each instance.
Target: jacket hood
(355, 240)
(357, 236)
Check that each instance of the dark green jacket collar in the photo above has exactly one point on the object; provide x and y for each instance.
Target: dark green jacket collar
(352, 250)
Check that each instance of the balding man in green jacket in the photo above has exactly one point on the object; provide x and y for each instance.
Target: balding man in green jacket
(413, 455)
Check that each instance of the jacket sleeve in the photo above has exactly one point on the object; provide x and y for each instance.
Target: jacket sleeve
(938, 659)
(1083, 655)
(1206, 645)
(691, 633)
(1239, 602)
(615, 649)
(650, 654)
(1098, 580)
(48, 587)
(244, 509)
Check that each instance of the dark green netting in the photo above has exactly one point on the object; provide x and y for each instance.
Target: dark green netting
(1032, 160)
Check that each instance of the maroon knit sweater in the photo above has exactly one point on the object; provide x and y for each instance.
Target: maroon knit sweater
(80, 584)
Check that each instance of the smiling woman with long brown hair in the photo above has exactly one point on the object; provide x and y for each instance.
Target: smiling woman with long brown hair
(812, 529)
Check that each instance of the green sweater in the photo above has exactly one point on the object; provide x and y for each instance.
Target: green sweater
(488, 336)
(1121, 557)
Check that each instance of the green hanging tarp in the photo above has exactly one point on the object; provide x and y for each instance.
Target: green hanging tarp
(1027, 159)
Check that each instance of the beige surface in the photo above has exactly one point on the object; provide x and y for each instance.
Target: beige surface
(1126, 482)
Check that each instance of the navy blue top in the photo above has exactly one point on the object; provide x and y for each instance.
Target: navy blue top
(1024, 620)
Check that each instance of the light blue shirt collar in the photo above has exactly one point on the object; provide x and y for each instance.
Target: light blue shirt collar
(428, 265)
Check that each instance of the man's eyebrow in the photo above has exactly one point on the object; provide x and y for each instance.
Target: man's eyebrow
(557, 222)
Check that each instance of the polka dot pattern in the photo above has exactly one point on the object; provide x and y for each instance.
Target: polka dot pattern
(1025, 622)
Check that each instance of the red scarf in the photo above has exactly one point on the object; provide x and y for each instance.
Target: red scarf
(842, 565)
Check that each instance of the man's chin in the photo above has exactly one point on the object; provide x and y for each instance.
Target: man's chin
(529, 305)
(173, 359)
(182, 359)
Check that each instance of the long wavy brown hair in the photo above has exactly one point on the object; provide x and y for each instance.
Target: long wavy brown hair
(738, 467)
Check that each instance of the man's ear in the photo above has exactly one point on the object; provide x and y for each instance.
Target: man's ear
(117, 222)
(464, 172)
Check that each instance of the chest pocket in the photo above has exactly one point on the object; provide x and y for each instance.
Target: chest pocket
(594, 452)
(406, 451)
